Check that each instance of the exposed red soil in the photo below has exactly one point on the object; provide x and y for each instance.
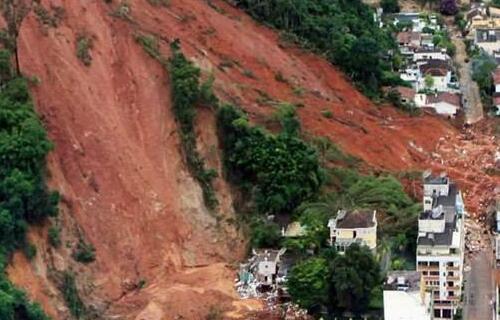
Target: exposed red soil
(117, 160)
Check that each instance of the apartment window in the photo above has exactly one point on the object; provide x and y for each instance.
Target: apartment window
(451, 293)
(446, 314)
(354, 234)
(453, 251)
(434, 273)
(436, 293)
(450, 264)
(434, 264)
(424, 273)
(428, 201)
(450, 283)
(437, 313)
(450, 273)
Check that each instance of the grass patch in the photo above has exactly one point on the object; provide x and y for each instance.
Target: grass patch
(83, 47)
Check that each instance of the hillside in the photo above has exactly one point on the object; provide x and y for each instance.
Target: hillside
(117, 160)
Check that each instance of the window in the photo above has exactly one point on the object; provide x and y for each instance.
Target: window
(437, 313)
(434, 264)
(450, 264)
(453, 251)
(447, 313)
(354, 234)
(451, 293)
(450, 283)
(450, 273)
(424, 273)
(434, 273)
(428, 201)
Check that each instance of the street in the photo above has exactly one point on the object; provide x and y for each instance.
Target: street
(473, 107)
(479, 276)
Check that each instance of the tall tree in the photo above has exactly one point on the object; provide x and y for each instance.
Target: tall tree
(448, 7)
(14, 12)
(354, 276)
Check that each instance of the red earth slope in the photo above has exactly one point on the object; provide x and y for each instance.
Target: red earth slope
(117, 160)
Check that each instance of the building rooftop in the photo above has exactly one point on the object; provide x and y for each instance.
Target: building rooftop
(451, 98)
(407, 305)
(435, 68)
(430, 179)
(438, 239)
(403, 280)
(353, 219)
(408, 36)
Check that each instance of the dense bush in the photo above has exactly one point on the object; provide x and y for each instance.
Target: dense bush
(24, 197)
(84, 252)
(337, 282)
(344, 31)
(71, 296)
(281, 170)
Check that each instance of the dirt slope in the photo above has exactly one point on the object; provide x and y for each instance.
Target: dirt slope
(117, 160)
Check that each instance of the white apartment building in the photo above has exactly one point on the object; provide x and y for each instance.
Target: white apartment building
(440, 244)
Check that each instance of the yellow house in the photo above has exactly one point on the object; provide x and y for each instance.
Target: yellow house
(358, 226)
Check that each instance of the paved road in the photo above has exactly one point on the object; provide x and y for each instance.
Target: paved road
(473, 106)
(479, 288)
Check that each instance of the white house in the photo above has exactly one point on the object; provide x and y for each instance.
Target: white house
(439, 71)
(358, 226)
(488, 39)
(444, 103)
(425, 54)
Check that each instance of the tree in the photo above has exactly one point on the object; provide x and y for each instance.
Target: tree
(308, 283)
(354, 276)
(448, 7)
(428, 81)
(14, 12)
(390, 6)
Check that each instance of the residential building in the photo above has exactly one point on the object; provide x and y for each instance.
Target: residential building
(358, 226)
(441, 243)
(494, 12)
(425, 54)
(404, 297)
(487, 39)
(267, 262)
(409, 39)
(407, 94)
(444, 103)
(439, 71)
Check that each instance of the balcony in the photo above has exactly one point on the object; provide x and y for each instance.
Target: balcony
(427, 268)
(454, 268)
(453, 288)
(452, 278)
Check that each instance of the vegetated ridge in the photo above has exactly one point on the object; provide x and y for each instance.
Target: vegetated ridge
(117, 161)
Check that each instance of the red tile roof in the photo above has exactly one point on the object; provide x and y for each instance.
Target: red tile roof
(406, 92)
(451, 98)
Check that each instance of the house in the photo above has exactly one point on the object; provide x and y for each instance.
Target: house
(409, 17)
(441, 244)
(407, 94)
(422, 55)
(410, 75)
(404, 298)
(494, 12)
(409, 39)
(358, 226)
(266, 263)
(293, 230)
(487, 39)
(439, 71)
(444, 103)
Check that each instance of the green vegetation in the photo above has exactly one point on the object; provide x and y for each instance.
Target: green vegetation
(279, 170)
(158, 3)
(344, 31)
(337, 282)
(71, 296)
(482, 67)
(186, 94)
(390, 6)
(84, 252)
(54, 236)
(83, 47)
(24, 198)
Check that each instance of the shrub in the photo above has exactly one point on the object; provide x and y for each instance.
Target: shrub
(30, 251)
(264, 233)
(390, 6)
(327, 114)
(54, 236)
(83, 46)
(71, 295)
(84, 252)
